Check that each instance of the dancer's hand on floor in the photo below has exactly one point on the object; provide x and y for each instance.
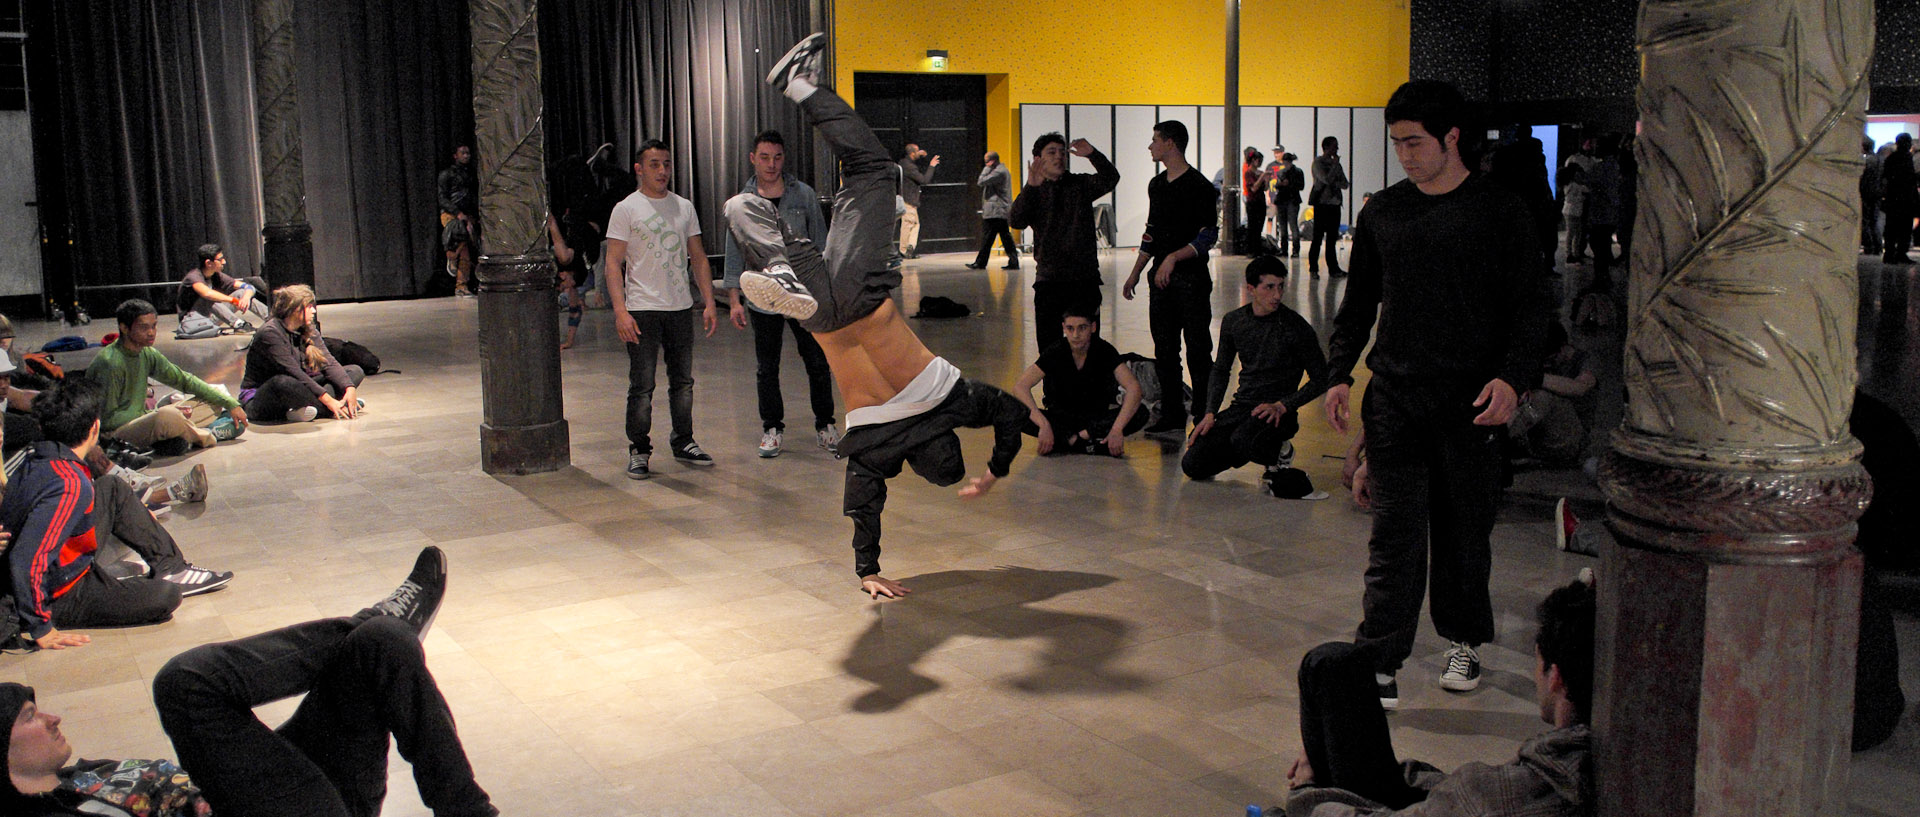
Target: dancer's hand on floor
(978, 487)
(877, 586)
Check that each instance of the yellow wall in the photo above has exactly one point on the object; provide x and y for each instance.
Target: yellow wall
(1336, 53)
(1118, 52)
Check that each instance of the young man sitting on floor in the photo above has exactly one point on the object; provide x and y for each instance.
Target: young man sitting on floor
(365, 680)
(1276, 348)
(1347, 766)
(58, 522)
(1083, 376)
(124, 367)
(903, 403)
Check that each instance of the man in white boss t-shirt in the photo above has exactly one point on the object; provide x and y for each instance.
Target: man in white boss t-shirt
(653, 253)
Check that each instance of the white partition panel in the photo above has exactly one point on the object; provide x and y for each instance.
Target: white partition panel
(1213, 126)
(1369, 152)
(1034, 121)
(1296, 133)
(1093, 123)
(1260, 127)
(1133, 128)
(1337, 123)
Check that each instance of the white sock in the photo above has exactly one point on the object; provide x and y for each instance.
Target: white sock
(799, 88)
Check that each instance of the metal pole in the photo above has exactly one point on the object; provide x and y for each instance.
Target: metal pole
(1230, 206)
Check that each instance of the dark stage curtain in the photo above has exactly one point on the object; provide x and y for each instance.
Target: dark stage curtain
(384, 100)
(156, 145)
(151, 162)
(689, 72)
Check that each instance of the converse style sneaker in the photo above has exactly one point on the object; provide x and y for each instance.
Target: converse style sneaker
(691, 454)
(417, 600)
(637, 464)
(770, 443)
(1463, 669)
(776, 289)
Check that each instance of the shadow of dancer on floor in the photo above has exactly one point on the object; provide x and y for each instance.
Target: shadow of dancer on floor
(1078, 645)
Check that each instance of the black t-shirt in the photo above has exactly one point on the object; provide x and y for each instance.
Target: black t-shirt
(1177, 212)
(1083, 390)
(221, 282)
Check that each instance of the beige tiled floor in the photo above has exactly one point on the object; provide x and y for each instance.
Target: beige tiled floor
(1095, 637)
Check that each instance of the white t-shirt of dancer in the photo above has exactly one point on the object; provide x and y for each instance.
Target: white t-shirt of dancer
(656, 231)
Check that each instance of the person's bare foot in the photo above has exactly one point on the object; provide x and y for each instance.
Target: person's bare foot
(877, 586)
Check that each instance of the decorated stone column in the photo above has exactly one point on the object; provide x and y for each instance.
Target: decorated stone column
(283, 193)
(1729, 608)
(522, 429)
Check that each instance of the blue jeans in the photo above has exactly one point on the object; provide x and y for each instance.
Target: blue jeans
(670, 333)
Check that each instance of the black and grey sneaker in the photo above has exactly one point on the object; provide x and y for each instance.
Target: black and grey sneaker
(637, 464)
(777, 289)
(802, 60)
(691, 454)
(417, 600)
(1389, 692)
(1463, 669)
(196, 580)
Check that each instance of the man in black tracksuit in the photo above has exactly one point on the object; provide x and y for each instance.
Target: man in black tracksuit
(1059, 207)
(1447, 259)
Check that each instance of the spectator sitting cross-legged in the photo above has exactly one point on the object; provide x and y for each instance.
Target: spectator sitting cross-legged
(125, 366)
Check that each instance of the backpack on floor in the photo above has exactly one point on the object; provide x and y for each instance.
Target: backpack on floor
(353, 354)
(1149, 377)
(935, 306)
(194, 326)
(42, 364)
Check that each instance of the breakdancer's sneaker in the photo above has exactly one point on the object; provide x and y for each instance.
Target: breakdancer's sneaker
(802, 60)
(777, 290)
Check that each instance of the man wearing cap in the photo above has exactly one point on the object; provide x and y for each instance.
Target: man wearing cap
(1276, 348)
(366, 682)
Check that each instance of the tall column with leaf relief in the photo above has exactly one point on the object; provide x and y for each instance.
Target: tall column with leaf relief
(283, 190)
(522, 427)
(1729, 607)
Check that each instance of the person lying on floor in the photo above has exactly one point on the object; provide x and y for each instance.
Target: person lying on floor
(366, 682)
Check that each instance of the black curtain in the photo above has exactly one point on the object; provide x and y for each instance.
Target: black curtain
(689, 72)
(385, 97)
(144, 161)
(153, 148)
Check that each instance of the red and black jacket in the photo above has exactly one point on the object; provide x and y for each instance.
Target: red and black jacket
(49, 511)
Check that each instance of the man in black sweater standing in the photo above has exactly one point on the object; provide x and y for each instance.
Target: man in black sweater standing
(1275, 346)
(1329, 178)
(1181, 229)
(1447, 260)
(1059, 207)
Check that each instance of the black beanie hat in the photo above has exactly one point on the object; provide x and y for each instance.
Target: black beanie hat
(12, 697)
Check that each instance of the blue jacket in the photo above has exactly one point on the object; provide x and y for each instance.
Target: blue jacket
(800, 209)
(49, 511)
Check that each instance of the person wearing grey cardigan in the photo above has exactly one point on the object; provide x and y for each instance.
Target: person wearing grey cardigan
(996, 201)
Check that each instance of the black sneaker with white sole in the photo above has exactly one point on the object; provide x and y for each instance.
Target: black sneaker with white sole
(691, 454)
(777, 289)
(1389, 694)
(196, 580)
(417, 600)
(800, 61)
(637, 464)
(1463, 669)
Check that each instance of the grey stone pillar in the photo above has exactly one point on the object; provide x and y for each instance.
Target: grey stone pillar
(1233, 207)
(1729, 608)
(522, 428)
(283, 193)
